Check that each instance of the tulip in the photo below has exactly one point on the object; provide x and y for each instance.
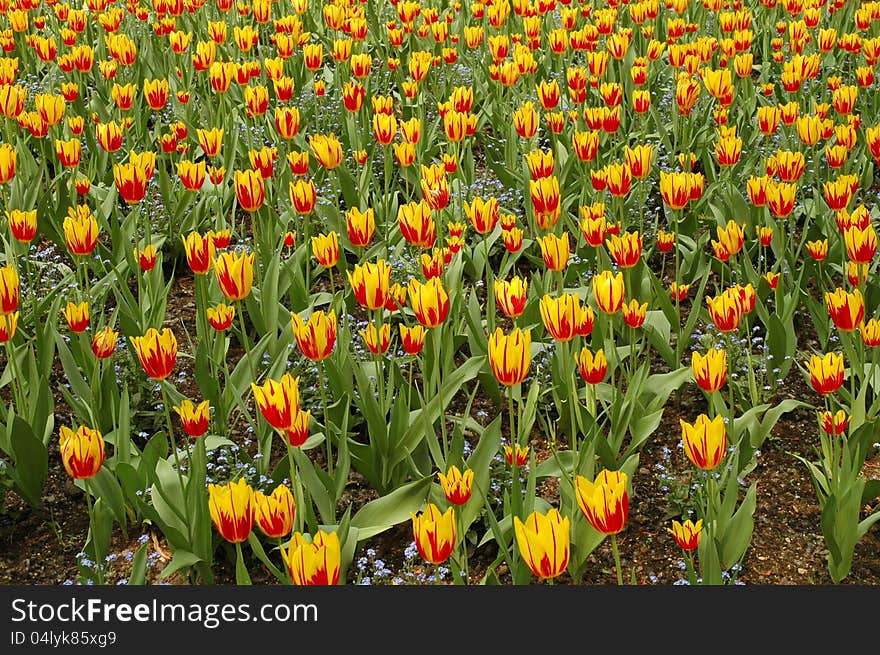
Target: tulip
(417, 224)
(430, 301)
(482, 214)
(510, 355)
(818, 249)
(104, 342)
(511, 296)
(870, 332)
(8, 325)
(80, 231)
(544, 542)
(608, 291)
(592, 366)
(194, 418)
(157, 352)
(675, 188)
(412, 338)
(370, 282)
(634, 314)
(361, 226)
(316, 337)
(861, 244)
(625, 250)
(327, 150)
(456, 485)
(434, 533)
(316, 562)
(604, 502)
(250, 190)
(705, 442)
(231, 509)
(303, 196)
(559, 315)
(377, 341)
(22, 224)
(211, 141)
(725, 310)
(235, 274)
(826, 372)
(555, 251)
(834, 424)
(847, 310)
(10, 289)
(710, 370)
(274, 513)
(77, 316)
(522, 455)
(199, 252)
(220, 317)
(82, 452)
(325, 248)
(687, 535)
(278, 400)
(298, 433)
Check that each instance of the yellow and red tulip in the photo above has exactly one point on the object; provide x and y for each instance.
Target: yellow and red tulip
(604, 502)
(705, 441)
(82, 452)
(231, 507)
(156, 351)
(544, 541)
(434, 533)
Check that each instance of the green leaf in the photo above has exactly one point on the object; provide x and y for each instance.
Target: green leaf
(380, 514)
(180, 560)
(139, 567)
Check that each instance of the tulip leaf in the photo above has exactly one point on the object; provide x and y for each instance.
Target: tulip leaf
(738, 532)
(378, 515)
(139, 567)
(180, 560)
(31, 459)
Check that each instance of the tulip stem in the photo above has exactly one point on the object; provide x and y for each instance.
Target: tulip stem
(616, 552)
(183, 489)
(99, 556)
(326, 416)
(10, 357)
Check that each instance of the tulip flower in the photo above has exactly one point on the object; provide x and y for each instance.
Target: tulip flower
(456, 485)
(220, 317)
(157, 352)
(710, 370)
(316, 337)
(10, 289)
(608, 291)
(543, 541)
(847, 310)
(870, 332)
(725, 310)
(434, 533)
(316, 562)
(705, 441)
(77, 316)
(377, 341)
(325, 248)
(104, 342)
(235, 274)
(412, 338)
(510, 296)
(278, 400)
(199, 252)
(604, 502)
(522, 455)
(82, 452)
(430, 301)
(250, 190)
(834, 424)
(626, 249)
(687, 535)
(361, 226)
(274, 513)
(510, 355)
(370, 283)
(417, 223)
(826, 372)
(80, 230)
(634, 314)
(482, 214)
(327, 150)
(22, 224)
(559, 315)
(555, 251)
(194, 418)
(231, 509)
(592, 366)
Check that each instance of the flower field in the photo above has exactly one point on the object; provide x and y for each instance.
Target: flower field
(512, 293)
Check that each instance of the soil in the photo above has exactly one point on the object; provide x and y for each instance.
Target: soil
(40, 546)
